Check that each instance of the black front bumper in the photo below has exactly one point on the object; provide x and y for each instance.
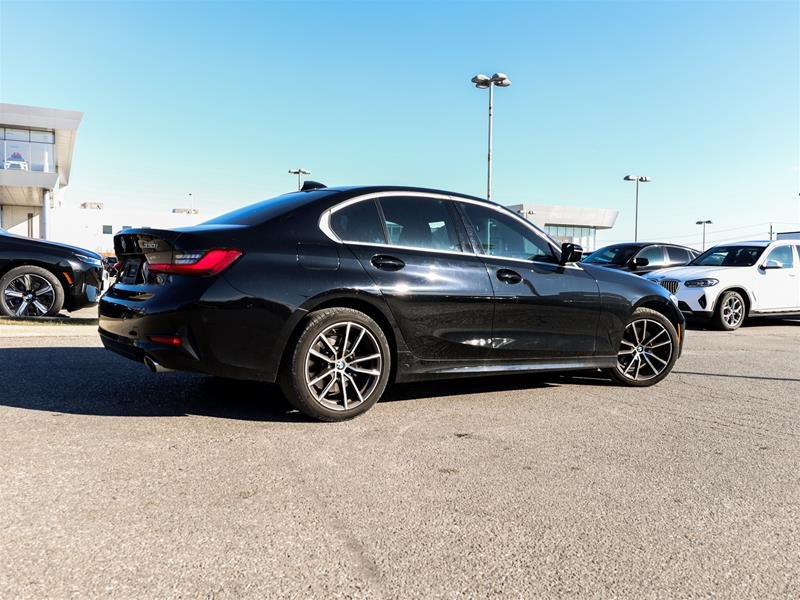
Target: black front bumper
(85, 289)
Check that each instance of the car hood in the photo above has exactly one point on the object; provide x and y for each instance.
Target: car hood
(691, 272)
(48, 245)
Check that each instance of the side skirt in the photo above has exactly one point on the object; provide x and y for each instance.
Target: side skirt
(412, 369)
(774, 313)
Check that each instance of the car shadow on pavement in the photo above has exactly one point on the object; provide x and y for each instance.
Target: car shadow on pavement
(93, 381)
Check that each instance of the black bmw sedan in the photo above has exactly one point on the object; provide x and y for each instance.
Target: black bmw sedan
(38, 278)
(336, 292)
(641, 257)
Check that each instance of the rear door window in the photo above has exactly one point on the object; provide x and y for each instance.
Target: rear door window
(678, 256)
(420, 222)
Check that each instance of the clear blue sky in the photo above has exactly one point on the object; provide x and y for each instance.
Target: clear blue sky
(221, 99)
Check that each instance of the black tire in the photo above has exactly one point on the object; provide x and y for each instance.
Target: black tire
(296, 382)
(730, 312)
(626, 373)
(11, 283)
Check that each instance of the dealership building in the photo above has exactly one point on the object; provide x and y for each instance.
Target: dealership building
(37, 145)
(573, 224)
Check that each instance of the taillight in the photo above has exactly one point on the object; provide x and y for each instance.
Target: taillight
(203, 264)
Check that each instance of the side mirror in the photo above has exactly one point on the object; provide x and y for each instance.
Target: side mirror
(772, 264)
(570, 253)
(640, 261)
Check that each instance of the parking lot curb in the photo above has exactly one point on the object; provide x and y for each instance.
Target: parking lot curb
(48, 321)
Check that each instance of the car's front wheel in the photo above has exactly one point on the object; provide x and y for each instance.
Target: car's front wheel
(339, 365)
(30, 291)
(648, 350)
(730, 312)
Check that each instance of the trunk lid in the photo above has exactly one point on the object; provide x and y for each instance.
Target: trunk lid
(136, 249)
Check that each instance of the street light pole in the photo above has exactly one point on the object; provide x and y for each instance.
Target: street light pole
(489, 153)
(483, 82)
(637, 179)
(299, 173)
(704, 223)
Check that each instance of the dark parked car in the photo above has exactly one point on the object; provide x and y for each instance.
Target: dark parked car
(38, 278)
(641, 257)
(336, 292)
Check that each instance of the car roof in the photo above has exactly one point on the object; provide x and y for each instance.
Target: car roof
(357, 190)
(649, 244)
(762, 243)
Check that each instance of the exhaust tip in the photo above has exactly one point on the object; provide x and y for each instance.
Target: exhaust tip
(155, 367)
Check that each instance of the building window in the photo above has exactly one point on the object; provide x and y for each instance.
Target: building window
(16, 155)
(43, 157)
(107, 229)
(26, 150)
(21, 135)
(584, 236)
(48, 137)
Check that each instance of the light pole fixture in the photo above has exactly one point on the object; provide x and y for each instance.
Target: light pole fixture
(637, 179)
(704, 223)
(483, 82)
(299, 173)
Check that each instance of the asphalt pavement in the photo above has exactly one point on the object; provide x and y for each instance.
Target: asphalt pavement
(115, 482)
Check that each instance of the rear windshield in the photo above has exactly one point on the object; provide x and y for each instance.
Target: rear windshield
(729, 256)
(612, 255)
(263, 211)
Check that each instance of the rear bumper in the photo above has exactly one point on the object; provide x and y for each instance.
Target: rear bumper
(220, 332)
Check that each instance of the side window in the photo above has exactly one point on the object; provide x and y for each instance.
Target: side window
(783, 254)
(501, 235)
(358, 222)
(678, 256)
(420, 222)
(654, 254)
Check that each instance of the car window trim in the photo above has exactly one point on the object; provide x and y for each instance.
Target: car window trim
(325, 226)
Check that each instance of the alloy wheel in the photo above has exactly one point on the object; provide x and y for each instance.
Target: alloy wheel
(29, 295)
(646, 350)
(343, 366)
(733, 311)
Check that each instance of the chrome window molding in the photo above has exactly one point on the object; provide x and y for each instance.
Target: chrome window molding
(325, 223)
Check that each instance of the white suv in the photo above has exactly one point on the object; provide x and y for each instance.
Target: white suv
(732, 281)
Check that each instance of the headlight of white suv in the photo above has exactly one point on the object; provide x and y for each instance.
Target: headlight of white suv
(695, 283)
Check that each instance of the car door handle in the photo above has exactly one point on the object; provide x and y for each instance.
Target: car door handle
(387, 263)
(508, 276)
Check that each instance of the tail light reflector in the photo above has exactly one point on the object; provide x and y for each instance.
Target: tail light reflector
(211, 262)
(169, 340)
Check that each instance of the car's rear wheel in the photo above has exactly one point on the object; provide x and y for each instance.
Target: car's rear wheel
(30, 291)
(648, 350)
(730, 312)
(339, 365)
